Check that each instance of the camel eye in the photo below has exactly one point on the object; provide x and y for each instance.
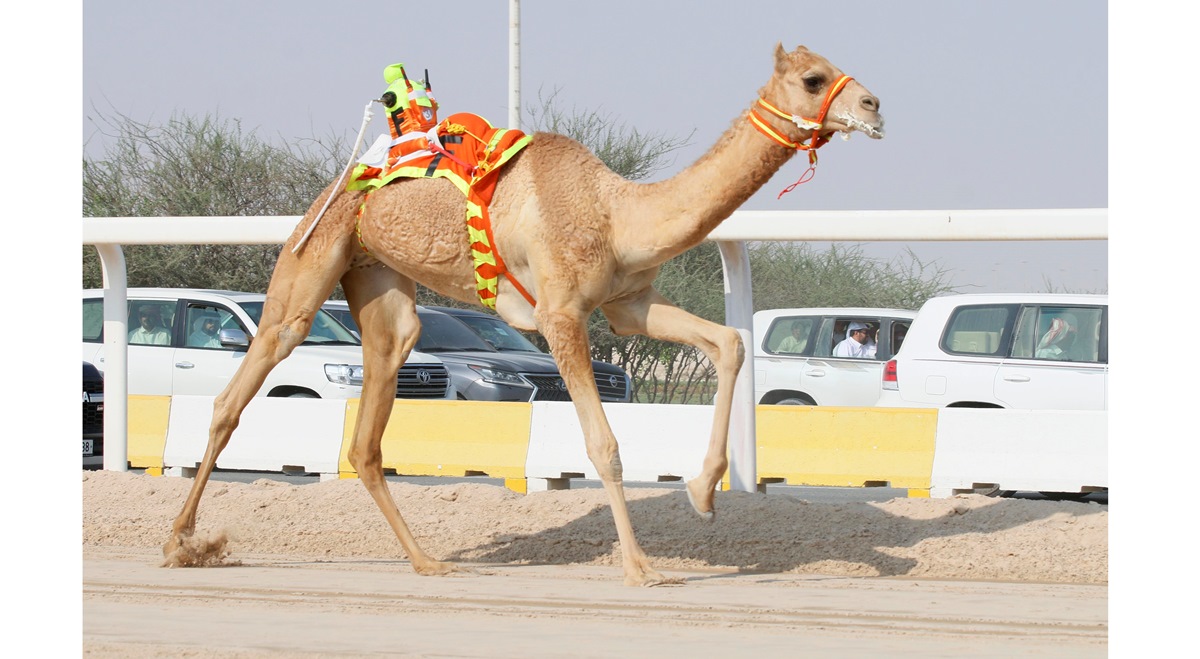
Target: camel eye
(812, 83)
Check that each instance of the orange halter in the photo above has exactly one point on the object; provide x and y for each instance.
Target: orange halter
(803, 122)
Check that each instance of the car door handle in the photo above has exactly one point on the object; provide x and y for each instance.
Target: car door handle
(1016, 378)
(184, 365)
(816, 373)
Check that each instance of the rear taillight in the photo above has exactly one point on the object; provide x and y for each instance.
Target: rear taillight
(889, 376)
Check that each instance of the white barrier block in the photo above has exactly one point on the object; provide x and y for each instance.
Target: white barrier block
(273, 433)
(654, 440)
(1031, 450)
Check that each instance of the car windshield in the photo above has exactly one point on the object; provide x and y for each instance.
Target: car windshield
(442, 333)
(325, 329)
(500, 334)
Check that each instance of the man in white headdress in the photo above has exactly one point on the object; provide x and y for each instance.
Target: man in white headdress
(856, 344)
(205, 335)
(1059, 339)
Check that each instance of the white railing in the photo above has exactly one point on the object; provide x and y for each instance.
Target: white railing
(108, 234)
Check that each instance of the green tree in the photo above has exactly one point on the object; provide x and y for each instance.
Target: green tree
(200, 166)
(788, 274)
(624, 149)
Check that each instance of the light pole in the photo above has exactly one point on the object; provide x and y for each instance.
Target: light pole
(514, 64)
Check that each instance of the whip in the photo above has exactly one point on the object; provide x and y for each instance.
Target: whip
(337, 187)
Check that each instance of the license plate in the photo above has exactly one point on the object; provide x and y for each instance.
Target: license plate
(87, 447)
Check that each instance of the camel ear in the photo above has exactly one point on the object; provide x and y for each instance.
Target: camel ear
(781, 57)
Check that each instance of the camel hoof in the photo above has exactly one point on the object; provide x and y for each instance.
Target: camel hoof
(435, 568)
(650, 578)
(192, 551)
(706, 515)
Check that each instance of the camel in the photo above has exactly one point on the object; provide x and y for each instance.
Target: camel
(578, 237)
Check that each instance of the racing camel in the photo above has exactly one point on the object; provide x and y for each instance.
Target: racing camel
(576, 236)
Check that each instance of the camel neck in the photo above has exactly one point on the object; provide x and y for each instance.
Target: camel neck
(689, 205)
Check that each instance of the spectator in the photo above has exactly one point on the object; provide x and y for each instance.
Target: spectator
(793, 343)
(205, 335)
(150, 330)
(1057, 342)
(898, 335)
(872, 343)
(856, 344)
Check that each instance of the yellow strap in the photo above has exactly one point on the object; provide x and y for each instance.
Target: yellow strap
(770, 132)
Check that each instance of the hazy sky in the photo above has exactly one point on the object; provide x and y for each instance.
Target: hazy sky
(988, 104)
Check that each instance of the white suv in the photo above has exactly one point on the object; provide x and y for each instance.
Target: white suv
(1030, 351)
(794, 348)
(190, 341)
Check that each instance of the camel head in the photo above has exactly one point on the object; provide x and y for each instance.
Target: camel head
(801, 86)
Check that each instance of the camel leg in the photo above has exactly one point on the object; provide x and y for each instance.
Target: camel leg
(566, 332)
(299, 284)
(657, 317)
(382, 302)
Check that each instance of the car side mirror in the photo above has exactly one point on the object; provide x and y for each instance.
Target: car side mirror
(233, 338)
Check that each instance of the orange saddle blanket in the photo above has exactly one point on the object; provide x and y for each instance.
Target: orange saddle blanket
(467, 151)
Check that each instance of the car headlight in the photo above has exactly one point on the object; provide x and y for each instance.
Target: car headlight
(497, 376)
(351, 374)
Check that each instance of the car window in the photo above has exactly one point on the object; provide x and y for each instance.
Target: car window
(842, 345)
(442, 333)
(500, 334)
(325, 328)
(824, 340)
(93, 320)
(898, 332)
(1025, 336)
(790, 335)
(1059, 333)
(344, 317)
(151, 322)
(204, 323)
(977, 330)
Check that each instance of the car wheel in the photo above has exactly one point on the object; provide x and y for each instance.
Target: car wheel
(795, 401)
(302, 394)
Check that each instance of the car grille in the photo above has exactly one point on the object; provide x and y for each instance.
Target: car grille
(547, 387)
(93, 417)
(93, 413)
(612, 387)
(552, 387)
(422, 381)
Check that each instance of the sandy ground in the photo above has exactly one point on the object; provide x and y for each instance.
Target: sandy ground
(1021, 576)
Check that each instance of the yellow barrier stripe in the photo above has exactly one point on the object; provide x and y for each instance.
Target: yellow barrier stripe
(816, 446)
(147, 418)
(846, 446)
(450, 438)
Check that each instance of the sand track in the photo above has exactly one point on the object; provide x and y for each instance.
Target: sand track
(308, 562)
